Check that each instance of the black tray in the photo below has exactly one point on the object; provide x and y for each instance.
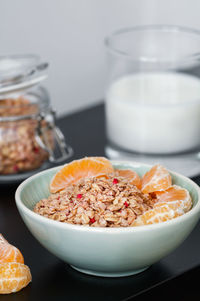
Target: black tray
(55, 280)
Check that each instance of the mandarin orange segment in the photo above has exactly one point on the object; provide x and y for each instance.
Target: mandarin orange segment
(173, 202)
(74, 171)
(101, 159)
(9, 253)
(130, 174)
(13, 277)
(156, 215)
(176, 197)
(156, 179)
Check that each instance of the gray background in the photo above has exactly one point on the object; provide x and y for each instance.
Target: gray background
(70, 33)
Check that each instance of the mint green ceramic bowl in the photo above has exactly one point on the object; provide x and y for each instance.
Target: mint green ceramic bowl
(110, 252)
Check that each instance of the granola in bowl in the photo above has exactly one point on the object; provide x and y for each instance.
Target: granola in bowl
(91, 192)
(107, 201)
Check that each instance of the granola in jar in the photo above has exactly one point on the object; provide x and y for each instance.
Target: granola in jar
(19, 150)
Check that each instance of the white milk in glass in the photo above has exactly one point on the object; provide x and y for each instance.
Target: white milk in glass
(154, 112)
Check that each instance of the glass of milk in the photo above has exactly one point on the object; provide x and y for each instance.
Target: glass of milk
(153, 96)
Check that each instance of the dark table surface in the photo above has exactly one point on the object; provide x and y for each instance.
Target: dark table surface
(177, 275)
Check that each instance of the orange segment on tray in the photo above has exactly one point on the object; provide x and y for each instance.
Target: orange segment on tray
(130, 174)
(13, 277)
(9, 253)
(74, 171)
(156, 179)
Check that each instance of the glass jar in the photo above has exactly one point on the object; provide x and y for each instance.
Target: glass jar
(28, 134)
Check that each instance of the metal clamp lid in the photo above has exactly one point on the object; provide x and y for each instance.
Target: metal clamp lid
(60, 151)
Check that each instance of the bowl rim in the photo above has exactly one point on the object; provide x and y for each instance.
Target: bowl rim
(23, 208)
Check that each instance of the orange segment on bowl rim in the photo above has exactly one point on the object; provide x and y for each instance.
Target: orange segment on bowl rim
(176, 197)
(9, 253)
(173, 202)
(156, 215)
(130, 174)
(13, 277)
(156, 179)
(77, 169)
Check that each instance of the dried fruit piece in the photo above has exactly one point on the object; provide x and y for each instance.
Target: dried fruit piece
(115, 181)
(72, 172)
(92, 220)
(13, 277)
(130, 174)
(79, 196)
(126, 204)
(9, 253)
(156, 179)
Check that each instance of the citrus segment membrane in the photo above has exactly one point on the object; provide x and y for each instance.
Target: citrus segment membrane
(176, 197)
(9, 253)
(13, 277)
(173, 202)
(77, 169)
(156, 179)
(130, 174)
(156, 215)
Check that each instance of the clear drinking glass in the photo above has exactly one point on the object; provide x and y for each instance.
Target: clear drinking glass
(153, 96)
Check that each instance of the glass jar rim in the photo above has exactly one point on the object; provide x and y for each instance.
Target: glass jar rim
(21, 71)
(157, 27)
